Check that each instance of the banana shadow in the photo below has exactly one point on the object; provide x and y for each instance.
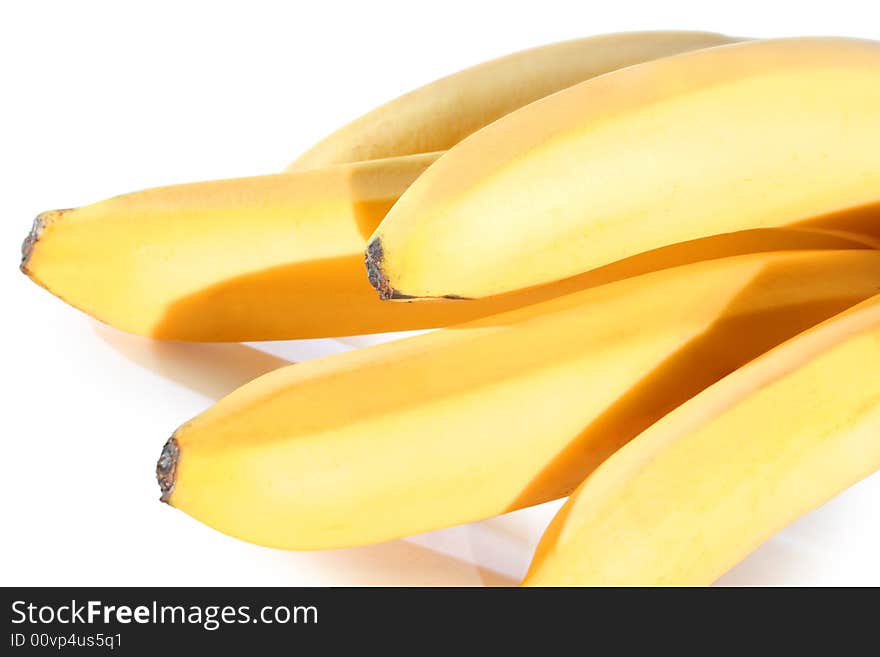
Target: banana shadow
(400, 563)
(776, 562)
(726, 345)
(859, 222)
(213, 370)
(331, 297)
(368, 214)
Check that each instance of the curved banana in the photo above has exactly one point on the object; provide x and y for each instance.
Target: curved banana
(695, 493)
(277, 257)
(483, 418)
(749, 135)
(440, 114)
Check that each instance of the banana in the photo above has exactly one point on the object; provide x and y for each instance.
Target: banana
(260, 258)
(440, 114)
(276, 257)
(750, 135)
(698, 491)
(457, 425)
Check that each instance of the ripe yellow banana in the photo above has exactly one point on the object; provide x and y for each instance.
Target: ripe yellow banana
(695, 493)
(260, 258)
(440, 114)
(276, 257)
(749, 135)
(483, 418)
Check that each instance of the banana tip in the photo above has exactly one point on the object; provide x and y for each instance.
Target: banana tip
(37, 229)
(27, 247)
(374, 259)
(166, 468)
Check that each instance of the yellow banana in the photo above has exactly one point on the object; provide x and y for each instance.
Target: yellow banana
(438, 115)
(275, 257)
(483, 418)
(696, 492)
(749, 135)
(260, 258)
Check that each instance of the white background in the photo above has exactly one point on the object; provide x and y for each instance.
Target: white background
(104, 98)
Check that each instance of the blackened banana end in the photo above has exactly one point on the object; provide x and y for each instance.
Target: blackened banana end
(166, 468)
(27, 247)
(37, 228)
(374, 258)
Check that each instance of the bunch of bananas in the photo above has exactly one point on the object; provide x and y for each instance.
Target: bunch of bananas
(654, 258)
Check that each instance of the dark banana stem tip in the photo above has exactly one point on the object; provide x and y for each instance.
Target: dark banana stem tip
(27, 247)
(166, 468)
(374, 259)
